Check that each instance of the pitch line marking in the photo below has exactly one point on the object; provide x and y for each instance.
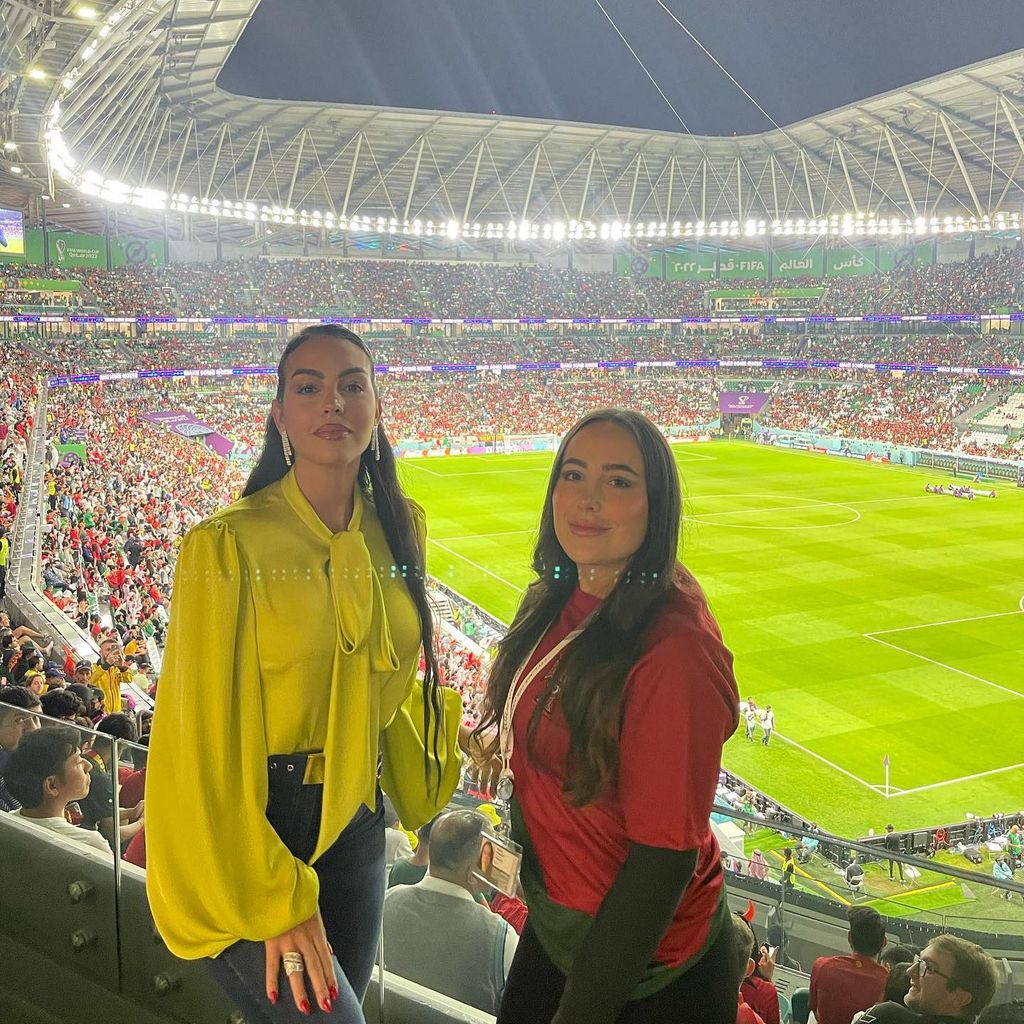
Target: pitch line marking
(963, 778)
(949, 668)
(808, 503)
(946, 622)
(831, 764)
(692, 456)
(476, 565)
(487, 536)
(419, 465)
(490, 472)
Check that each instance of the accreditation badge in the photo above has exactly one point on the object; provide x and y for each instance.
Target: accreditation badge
(499, 862)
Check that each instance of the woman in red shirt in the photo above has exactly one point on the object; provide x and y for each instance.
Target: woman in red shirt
(614, 693)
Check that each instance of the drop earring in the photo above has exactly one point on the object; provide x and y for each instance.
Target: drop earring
(375, 442)
(286, 447)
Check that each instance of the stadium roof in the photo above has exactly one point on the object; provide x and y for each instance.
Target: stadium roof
(125, 107)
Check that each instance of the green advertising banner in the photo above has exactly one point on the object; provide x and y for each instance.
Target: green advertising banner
(753, 293)
(852, 262)
(733, 266)
(33, 249)
(798, 262)
(71, 250)
(134, 251)
(893, 257)
(42, 284)
(953, 250)
(690, 266)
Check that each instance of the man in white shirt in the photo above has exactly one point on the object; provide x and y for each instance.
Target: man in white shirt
(46, 772)
(767, 725)
(437, 935)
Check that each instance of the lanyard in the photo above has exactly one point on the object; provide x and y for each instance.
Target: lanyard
(520, 684)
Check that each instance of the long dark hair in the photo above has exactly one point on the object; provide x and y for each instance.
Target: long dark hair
(591, 676)
(379, 480)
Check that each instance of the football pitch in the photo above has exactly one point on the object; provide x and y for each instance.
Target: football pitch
(878, 621)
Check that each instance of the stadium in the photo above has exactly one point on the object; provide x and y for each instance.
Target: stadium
(824, 319)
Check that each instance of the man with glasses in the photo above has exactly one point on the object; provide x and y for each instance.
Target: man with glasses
(951, 981)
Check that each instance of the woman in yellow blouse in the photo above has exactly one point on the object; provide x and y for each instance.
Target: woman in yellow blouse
(298, 617)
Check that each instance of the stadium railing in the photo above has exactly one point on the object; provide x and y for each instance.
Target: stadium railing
(75, 927)
(24, 586)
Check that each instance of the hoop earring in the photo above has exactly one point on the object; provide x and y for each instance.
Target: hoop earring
(375, 442)
(286, 447)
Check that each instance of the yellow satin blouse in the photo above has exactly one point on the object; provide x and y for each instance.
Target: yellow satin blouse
(283, 638)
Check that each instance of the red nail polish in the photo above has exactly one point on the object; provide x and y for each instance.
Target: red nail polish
(304, 1006)
(334, 992)
(273, 998)
(326, 1004)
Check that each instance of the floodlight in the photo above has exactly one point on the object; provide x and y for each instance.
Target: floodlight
(38, 74)
(89, 13)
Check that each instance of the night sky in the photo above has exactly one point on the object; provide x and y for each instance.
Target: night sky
(561, 59)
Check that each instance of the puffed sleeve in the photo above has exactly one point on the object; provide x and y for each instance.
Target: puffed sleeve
(216, 870)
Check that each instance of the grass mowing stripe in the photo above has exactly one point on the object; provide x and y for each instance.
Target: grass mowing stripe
(795, 605)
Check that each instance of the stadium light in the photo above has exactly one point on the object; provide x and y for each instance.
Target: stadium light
(89, 13)
(37, 74)
(15, 169)
(9, 145)
(848, 224)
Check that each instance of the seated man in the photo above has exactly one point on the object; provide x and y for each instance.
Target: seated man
(437, 935)
(855, 874)
(98, 806)
(745, 947)
(17, 705)
(842, 985)
(62, 705)
(952, 981)
(45, 773)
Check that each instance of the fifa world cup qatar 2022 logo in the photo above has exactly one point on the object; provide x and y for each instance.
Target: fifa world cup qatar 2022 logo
(61, 246)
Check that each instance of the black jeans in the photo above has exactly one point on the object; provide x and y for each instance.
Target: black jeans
(351, 877)
(705, 994)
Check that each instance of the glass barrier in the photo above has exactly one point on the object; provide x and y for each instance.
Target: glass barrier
(799, 913)
(56, 846)
(447, 935)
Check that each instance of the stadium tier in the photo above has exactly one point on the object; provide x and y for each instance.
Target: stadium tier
(413, 288)
(132, 463)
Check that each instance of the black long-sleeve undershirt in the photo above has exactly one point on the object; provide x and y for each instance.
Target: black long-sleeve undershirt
(628, 929)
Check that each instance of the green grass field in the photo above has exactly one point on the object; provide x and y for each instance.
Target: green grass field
(876, 619)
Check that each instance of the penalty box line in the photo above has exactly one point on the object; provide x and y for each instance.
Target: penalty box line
(831, 764)
(876, 637)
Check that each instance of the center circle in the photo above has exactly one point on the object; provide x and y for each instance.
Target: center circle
(787, 503)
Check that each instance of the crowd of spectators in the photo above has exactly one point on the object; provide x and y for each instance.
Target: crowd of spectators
(119, 502)
(214, 347)
(967, 286)
(907, 410)
(405, 287)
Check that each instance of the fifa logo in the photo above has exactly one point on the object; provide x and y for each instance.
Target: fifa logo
(62, 250)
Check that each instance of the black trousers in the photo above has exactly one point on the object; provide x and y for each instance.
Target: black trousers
(351, 877)
(705, 994)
